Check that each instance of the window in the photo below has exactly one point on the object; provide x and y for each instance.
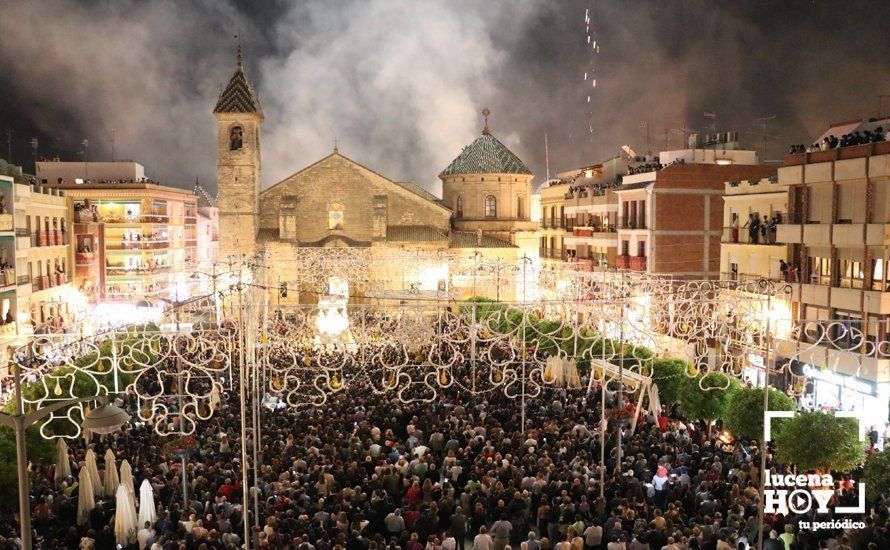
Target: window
(491, 207)
(879, 275)
(460, 206)
(520, 212)
(820, 270)
(335, 216)
(851, 273)
(236, 138)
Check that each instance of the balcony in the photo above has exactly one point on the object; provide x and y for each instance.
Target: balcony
(552, 253)
(741, 235)
(53, 237)
(131, 219)
(138, 245)
(582, 264)
(633, 224)
(638, 263)
(120, 270)
(45, 282)
(85, 258)
(8, 330)
(622, 261)
(7, 278)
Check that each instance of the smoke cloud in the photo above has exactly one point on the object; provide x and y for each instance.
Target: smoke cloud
(399, 84)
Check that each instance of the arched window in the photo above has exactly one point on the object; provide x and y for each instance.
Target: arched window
(520, 211)
(335, 216)
(236, 138)
(491, 207)
(459, 207)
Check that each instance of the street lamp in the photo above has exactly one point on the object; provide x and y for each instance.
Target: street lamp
(104, 419)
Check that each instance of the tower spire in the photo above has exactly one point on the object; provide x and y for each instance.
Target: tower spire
(485, 113)
(240, 55)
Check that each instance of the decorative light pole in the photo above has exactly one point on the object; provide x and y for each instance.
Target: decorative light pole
(104, 419)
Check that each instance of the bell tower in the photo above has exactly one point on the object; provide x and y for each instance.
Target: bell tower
(238, 117)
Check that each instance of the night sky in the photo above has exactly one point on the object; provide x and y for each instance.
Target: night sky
(400, 84)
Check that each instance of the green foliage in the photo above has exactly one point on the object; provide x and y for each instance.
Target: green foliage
(40, 451)
(744, 411)
(820, 441)
(705, 398)
(668, 374)
(877, 475)
(132, 351)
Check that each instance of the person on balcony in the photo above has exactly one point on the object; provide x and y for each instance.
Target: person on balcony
(735, 228)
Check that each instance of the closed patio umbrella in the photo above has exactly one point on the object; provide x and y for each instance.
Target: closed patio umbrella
(63, 464)
(127, 478)
(111, 480)
(146, 503)
(85, 500)
(93, 469)
(124, 517)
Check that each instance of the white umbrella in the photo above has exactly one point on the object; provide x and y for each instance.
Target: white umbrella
(94, 473)
(111, 478)
(124, 517)
(127, 478)
(146, 504)
(63, 464)
(85, 501)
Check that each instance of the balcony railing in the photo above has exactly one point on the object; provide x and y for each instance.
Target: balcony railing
(790, 217)
(149, 218)
(138, 245)
(637, 263)
(85, 258)
(741, 235)
(123, 270)
(23, 280)
(53, 237)
(591, 231)
(44, 282)
(633, 224)
(551, 224)
(552, 253)
(7, 278)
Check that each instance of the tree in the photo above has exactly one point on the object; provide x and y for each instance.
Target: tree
(744, 411)
(877, 475)
(705, 397)
(820, 441)
(40, 451)
(669, 374)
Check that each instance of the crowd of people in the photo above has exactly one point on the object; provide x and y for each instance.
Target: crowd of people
(846, 140)
(367, 470)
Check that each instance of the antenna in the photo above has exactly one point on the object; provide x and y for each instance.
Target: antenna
(764, 123)
(9, 145)
(645, 125)
(881, 105)
(685, 131)
(547, 155)
(713, 116)
(34, 144)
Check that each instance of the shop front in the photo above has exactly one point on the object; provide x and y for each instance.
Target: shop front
(826, 389)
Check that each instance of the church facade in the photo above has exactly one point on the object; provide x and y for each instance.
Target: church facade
(337, 202)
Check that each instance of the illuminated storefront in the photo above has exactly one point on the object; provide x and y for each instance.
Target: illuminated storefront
(831, 390)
